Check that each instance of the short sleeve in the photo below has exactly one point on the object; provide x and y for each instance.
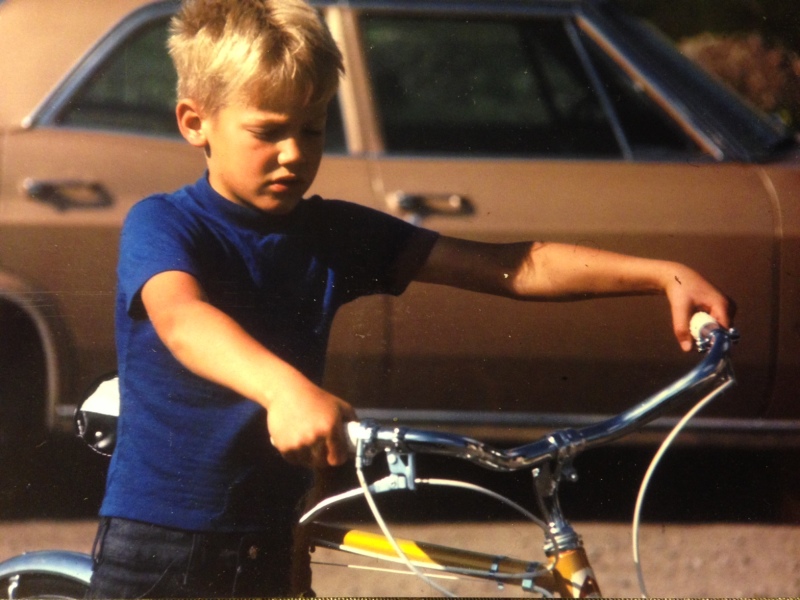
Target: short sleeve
(156, 238)
(374, 251)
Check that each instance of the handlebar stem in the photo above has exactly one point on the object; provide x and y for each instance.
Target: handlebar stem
(562, 535)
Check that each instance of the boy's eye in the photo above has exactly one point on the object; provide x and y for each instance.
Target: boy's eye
(314, 127)
(273, 134)
(314, 131)
(266, 134)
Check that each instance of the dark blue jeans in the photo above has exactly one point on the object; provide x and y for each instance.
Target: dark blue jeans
(134, 560)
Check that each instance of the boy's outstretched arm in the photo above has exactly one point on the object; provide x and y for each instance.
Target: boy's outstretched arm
(304, 421)
(551, 271)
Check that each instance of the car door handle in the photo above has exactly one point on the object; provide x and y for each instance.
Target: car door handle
(66, 194)
(418, 206)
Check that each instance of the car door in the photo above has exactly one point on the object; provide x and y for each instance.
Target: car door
(491, 127)
(106, 139)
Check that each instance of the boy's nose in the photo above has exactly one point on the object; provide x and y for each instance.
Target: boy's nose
(290, 151)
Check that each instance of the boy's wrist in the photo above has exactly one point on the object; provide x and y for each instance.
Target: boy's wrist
(666, 274)
(284, 384)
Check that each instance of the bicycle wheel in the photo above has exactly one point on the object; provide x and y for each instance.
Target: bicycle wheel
(42, 585)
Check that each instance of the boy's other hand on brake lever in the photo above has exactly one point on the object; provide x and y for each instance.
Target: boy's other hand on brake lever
(308, 428)
(688, 293)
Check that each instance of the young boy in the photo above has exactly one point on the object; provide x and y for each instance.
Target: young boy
(227, 291)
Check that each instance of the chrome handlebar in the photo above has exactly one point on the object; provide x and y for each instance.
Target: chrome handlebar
(713, 371)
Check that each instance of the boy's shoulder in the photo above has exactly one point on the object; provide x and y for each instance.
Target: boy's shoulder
(183, 200)
(160, 207)
(174, 198)
(165, 214)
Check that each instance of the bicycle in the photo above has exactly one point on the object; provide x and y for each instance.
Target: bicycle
(565, 571)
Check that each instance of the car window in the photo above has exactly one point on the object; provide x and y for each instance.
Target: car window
(491, 86)
(649, 131)
(485, 86)
(133, 90)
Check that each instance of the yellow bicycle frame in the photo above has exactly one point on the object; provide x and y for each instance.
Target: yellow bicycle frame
(572, 576)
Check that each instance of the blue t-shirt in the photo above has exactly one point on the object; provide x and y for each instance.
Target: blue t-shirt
(195, 455)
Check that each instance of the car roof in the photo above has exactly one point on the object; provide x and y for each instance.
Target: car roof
(42, 40)
(37, 58)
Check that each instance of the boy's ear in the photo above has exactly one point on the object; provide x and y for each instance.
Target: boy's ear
(191, 123)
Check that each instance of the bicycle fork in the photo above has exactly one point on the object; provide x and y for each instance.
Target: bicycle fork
(573, 576)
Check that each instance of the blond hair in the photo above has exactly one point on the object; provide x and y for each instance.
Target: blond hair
(228, 51)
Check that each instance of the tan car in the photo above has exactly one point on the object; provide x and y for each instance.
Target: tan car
(546, 119)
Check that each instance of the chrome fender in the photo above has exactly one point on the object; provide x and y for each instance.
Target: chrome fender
(72, 565)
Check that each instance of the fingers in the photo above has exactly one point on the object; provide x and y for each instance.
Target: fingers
(314, 455)
(322, 445)
(688, 292)
(325, 452)
(724, 312)
(348, 413)
(338, 446)
(681, 314)
(337, 450)
(721, 308)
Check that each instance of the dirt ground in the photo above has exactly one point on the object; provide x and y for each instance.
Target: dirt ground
(719, 560)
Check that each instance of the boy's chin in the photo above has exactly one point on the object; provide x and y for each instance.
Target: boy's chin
(275, 206)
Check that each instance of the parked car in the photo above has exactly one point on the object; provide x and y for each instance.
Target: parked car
(494, 120)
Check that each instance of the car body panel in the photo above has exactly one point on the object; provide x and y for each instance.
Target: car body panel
(83, 241)
(783, 180)
(729, 209)
(35, 60)
(641, 209)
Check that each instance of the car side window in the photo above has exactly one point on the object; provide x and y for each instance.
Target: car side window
(499, 86)
(483, 86)
(133, 90)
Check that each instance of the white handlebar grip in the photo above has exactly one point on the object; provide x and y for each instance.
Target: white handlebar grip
(699, 324)
(354, 432)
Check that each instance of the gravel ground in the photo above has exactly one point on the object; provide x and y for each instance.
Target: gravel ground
(718, 560)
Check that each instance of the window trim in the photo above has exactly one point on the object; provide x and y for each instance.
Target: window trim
(47, 112)
(652, 88)
(600, 90)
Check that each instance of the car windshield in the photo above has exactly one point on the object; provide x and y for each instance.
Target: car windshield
(744, 131)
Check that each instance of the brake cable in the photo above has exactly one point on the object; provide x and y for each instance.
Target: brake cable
(637, 513)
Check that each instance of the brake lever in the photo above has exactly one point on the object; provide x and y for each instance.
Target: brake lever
(402, 476)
